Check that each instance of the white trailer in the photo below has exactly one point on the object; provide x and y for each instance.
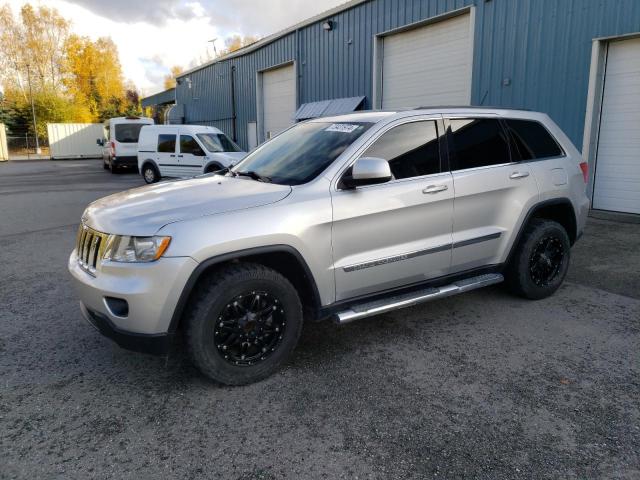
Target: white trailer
(4, 151)
(75, 140)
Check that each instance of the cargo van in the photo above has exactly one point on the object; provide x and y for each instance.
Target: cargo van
(120, 142)
(184, 151)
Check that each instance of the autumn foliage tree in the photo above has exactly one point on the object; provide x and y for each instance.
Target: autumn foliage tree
(170, 78)
(72, 78)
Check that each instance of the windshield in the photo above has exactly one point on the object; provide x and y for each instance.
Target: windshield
(128, 132)
(301, 153)
(217, 142)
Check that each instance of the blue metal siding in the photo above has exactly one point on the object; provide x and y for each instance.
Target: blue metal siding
(531, 54)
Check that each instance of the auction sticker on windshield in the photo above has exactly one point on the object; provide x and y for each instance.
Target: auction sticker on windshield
(342, 128)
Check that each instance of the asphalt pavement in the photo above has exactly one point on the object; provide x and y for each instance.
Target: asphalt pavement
(483, 385)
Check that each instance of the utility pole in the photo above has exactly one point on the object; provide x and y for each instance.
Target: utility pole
(33, 111)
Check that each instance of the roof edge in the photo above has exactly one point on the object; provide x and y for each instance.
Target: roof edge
(275, 36)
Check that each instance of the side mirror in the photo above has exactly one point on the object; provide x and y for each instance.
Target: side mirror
(199, 153)
(367, 171)
(100, 142)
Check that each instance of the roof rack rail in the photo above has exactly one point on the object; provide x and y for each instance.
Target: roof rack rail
(470, 107)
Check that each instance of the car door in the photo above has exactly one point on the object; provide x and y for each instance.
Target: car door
(166, 153)
(492, 192)
(190, 156)
(397, 233)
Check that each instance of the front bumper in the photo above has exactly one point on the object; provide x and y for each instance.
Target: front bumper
(151, 291)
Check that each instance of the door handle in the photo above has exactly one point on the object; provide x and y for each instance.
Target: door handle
(172, 156)
(180, 156)
(431, 189)
(517, 175)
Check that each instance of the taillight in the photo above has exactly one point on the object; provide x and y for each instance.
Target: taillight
(584, 166)
(113, 148)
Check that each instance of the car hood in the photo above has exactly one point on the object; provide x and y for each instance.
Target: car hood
(143, 211)
(233, 157)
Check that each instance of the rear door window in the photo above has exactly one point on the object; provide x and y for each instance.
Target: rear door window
(478, 142)
(411, 149)
(166, 143)
(531, 140)
(128, 132)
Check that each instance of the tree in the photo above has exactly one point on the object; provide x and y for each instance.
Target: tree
(94, 75)
(236, 42)
(34, 41)
(170, 78)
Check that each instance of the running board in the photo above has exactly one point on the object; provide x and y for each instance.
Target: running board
(384, 305)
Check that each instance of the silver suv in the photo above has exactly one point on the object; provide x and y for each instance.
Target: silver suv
(337, 218)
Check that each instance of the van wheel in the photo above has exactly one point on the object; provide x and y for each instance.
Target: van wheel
(114, 169)
(243, 323)
(150, 173)
(541, 260)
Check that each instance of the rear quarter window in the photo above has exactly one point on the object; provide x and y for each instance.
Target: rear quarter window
(531, 140)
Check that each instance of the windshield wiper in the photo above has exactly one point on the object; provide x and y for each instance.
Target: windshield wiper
(254, 176)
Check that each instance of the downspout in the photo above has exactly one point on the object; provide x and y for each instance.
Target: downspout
(233, 103)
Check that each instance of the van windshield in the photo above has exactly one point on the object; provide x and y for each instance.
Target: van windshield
(128, 132)
(301, 153)
(217, 142)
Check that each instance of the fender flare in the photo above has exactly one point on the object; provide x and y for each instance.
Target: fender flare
(239, 255)
(564, 201)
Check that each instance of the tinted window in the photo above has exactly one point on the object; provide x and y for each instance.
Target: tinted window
(166, 144)
(128, 132)
(411, 149)
(531, 140)
(478, 142)
(189, 145)
(301, 153)
(217, 142)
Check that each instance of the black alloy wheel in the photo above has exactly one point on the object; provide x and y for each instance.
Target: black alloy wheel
(250, 328)
(546, 261)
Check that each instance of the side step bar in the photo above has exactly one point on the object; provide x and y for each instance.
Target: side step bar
(384, 305)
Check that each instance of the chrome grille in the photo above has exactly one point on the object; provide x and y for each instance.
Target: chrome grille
(90, 246)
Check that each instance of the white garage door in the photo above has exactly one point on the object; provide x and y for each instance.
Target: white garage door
(279, 100)
(429, 65)
(617, 182)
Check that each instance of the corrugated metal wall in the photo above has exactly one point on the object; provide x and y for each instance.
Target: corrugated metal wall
(527, 54)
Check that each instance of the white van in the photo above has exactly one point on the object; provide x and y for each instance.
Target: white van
(120, 142)
(184, 151)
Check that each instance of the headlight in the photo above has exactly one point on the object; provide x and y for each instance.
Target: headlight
(123, 248)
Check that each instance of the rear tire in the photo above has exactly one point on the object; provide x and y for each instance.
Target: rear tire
(114, 169)
(150, 173)
(541, 260)
(243, 323)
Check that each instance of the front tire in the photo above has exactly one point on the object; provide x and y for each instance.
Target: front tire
(243, 323)
(541, 260)
(150, 174)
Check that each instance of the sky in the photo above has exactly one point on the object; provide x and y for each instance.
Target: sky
(153, 35)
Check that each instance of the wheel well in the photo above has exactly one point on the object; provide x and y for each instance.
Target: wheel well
(561, 212)
(213, 167)
(150, 162)
(287, 263)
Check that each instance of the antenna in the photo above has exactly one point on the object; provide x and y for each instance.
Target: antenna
(213, 42)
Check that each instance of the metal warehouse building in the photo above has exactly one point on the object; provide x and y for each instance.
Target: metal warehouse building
(577, 60)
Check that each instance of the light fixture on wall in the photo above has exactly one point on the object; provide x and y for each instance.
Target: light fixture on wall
(328, 25)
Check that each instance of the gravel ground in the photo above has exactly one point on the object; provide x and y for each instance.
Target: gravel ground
(482, 385)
